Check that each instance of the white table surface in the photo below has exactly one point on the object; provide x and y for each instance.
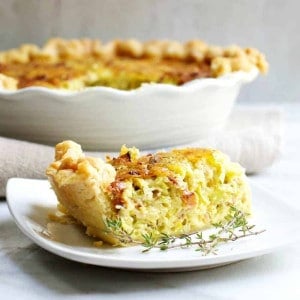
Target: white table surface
(29, 272)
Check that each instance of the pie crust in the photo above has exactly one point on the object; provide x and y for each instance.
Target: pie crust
(124, 64)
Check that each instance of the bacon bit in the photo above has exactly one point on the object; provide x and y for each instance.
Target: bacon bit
(117, 188)
(152, 159)
(121, 161)
(156, 193)
(189, 198)
(173, 180)
(126, 156)
(133, 172)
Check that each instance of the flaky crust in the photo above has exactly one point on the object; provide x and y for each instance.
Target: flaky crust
(222, 60)
(8, 83)
(79, 182)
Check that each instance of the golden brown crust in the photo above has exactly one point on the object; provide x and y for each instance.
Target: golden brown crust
(8, 83)
(194, 50)
(79, 183)
(221, 60)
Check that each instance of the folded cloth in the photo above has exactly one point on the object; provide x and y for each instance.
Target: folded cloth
(251, 137)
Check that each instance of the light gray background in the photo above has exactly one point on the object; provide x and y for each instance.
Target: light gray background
(270, 25)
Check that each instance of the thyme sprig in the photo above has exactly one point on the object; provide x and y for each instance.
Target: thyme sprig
(116, 228)
(235, 227)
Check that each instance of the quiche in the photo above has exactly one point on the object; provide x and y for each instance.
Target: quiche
(121, 64)
(177, 192)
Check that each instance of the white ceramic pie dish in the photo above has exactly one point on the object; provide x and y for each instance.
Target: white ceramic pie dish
(102, 118)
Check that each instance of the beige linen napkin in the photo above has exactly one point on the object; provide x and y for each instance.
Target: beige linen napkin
(251, 137)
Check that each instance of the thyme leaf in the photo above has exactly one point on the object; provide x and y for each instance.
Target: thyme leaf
(235, 227)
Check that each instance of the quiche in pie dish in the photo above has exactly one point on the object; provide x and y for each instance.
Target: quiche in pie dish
(177, 192)
(120, 64)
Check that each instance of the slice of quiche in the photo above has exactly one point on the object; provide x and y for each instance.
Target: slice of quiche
(177, 192)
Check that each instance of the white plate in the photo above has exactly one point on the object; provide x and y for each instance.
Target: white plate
(30, 201)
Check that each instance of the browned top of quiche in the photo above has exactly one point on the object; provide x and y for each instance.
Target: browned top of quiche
(121, 64)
